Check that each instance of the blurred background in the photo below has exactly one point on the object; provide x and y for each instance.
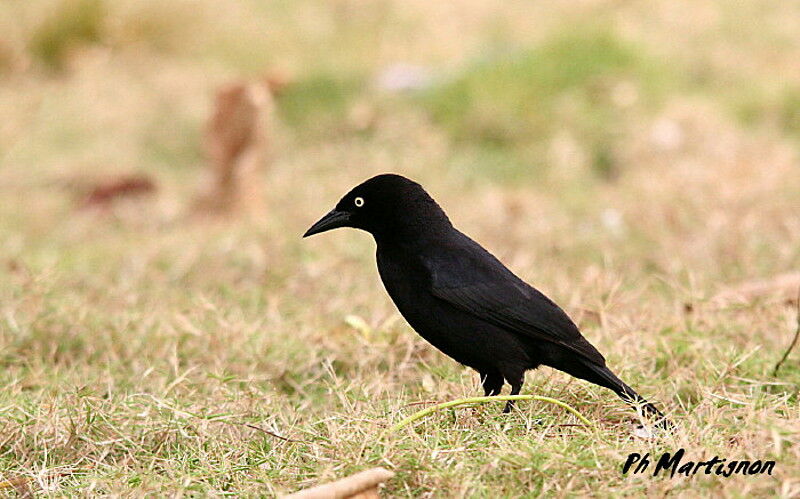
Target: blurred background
(159, 162)
(612, 110)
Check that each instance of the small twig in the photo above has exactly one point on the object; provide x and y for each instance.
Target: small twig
(422, 402)
(363, 484)
(262, 430)
(479, 400)
(285, 439)
(794, 340)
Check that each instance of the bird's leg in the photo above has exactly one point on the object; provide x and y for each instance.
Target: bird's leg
(492, 384)
(516, 386)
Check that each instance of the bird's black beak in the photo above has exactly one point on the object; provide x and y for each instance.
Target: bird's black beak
(332, 220)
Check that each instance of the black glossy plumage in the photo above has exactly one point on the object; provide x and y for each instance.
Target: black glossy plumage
(461, 298)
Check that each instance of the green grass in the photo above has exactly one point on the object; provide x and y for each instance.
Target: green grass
(318, 104)
(519, 100)
(73, 25)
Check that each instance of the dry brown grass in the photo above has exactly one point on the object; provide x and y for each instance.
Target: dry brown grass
(139, 348)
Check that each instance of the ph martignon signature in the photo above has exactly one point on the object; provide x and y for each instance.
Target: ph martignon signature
(674, 464)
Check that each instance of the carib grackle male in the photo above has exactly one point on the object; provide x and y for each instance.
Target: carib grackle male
(460, 298)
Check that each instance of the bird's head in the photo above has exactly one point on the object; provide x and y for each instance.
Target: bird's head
(386, 206)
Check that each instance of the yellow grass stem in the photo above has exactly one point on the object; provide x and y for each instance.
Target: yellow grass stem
(480, 400)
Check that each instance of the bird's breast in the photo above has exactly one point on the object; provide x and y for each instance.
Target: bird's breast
(450, 330)
(404, 278)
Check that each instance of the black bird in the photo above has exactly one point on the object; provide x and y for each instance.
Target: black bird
(460, 298)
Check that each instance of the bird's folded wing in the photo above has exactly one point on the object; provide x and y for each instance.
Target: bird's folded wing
(497, 296)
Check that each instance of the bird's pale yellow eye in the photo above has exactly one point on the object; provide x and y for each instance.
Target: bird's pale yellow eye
(359, 202)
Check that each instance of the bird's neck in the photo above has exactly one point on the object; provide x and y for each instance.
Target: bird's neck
(413, 233)
(423, 221)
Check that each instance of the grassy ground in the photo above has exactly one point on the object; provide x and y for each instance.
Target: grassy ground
(627, 158)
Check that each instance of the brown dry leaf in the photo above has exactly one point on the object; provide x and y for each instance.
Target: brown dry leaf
(362, 485)
(104, 193)
(236, 145)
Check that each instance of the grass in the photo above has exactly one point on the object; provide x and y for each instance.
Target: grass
(146, 352)
(72, 25)
(318, 103)
(581, 80)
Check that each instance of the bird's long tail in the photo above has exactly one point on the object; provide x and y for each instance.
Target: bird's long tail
(624, 391)
(602, 375)
(629, 395)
